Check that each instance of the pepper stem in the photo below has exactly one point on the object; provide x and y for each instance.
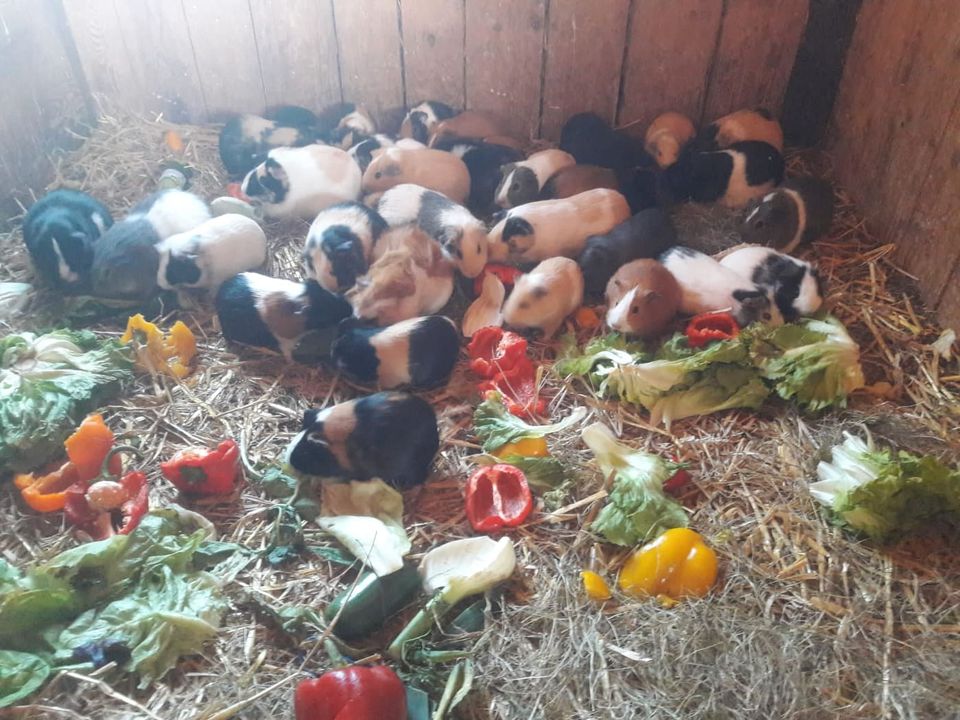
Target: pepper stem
(105, 467)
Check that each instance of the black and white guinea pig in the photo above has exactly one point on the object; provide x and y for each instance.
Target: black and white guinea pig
(420, 352)
(273, 313)
(483, 161)
(523, 181)
(126, 260)
(60, 231)
(798, 212)
(708, 286)
(354, 124)
(339, 244)
(294, 116)
(246, 140)
(733, 177)
(645, 235)
(796, 284)
(422, 120)
(389, 435)
(591, 140)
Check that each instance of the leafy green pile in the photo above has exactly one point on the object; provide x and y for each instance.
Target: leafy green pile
(48, 383)
(496, 426)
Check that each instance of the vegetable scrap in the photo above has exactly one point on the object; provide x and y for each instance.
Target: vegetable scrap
(586, 318)
(595, 586)
(486, 310)
(204, 472)
(361, 692)
(677, 565)
(497, 497)
(106, 507)
(170, 354)
(711, 327)
(372, 600)
(500, 358)
(495, 426)
(506, 274)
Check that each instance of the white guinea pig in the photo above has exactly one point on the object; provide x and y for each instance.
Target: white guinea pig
(796, 284)
(545, 296)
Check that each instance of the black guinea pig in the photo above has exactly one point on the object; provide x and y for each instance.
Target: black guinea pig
(420, 352)
(389, 435)
(483, 161)
(591, 140)
(732, 177)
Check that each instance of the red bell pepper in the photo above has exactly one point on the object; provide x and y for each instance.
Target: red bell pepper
(508, 275)
(199, 471)
(362, 692)
(676, 482)
(518, 386)
(498, 496)
(711, 327)
(107, 506)
(493, 350)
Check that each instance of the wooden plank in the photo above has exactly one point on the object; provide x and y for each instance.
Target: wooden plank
(298, 52)
(758, 44)
(948, 309)
(584, 56)
(433, 52)
(504, 52)
(368, 38)
(668, 58)
(226, 52)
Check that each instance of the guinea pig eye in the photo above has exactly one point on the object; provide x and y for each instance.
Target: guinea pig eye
(479, 249)
(515, 187)
(760, 224)
(524, 305)
(378, 175)
(767, 317)
(634, 309)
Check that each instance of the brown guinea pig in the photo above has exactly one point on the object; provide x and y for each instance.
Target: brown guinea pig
(470, 125)
(642, 298)
(667, 135)
(575, 179)
(432, 169)
(740, 126)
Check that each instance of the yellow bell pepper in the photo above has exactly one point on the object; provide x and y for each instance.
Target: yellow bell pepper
(595, 585)
(158, 354)
(676, 565)
(527, 447)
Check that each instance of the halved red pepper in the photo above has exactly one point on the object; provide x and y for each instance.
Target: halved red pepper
(498, 496)
(493, 350)
(200, 471)
(711, 327)
(508, 275)
(362, 692)
(132, 501)
(518, 386)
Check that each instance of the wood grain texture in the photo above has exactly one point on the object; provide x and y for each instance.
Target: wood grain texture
(433, 50)
(948, 308)
(368, 38)
(504, 54)
(669, 51)
(584, 54)
(297, 46)
(757, 48)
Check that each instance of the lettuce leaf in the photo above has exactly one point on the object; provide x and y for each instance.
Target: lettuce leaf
(20, 675)
(574, 362)
(495, 426)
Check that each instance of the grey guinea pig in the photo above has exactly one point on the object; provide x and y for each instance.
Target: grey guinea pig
(522, 181)
(545, 296)
(422, 120)
(740, 126)
(732, 177)
(60, 231)
(420, 352)
(575, 179)
(796, 284)
(642, 298)
(339, 244)
(246, 140)
(483, 161)
(126, 260)
(388, 435)
(645, 235)
(798, 212)
(273, 313)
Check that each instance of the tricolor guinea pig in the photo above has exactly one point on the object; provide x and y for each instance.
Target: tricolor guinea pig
(300, 182)
(667, 135)
(433, 169)
(545, 296)
(523, 181)
(575, 179)
(366, 148)
(468, 125)
(423, 119)
(389, 435)
(355, 123)
(246, 140)
(591, 140)
(461, 236)
(60, 231)
(340, 244)
(732, 177)
(273, 313)
(483, 161)
(796, 285)
(798, 212)
(642, 298)
(758, 125)
(420, 352)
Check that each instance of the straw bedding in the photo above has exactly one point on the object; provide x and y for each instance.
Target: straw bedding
(806, 622)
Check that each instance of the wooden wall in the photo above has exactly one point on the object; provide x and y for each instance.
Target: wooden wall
(895, 137)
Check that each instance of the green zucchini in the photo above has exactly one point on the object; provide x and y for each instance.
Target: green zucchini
(371, 602)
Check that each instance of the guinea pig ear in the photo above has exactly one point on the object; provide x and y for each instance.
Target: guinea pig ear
(652, 296)
(309, 418)
(275, 170)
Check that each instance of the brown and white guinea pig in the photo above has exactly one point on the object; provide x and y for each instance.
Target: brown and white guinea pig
(410, 276)
(522, 181)
(461, 236)
(211, 253)
(245, 140)
(433, 169)
(420, 352)
(797, 212)
(645, 235)
(340, 244)
(796, 285)
(575, 179)
(545, 296)
(273, 313)
(667, 135)
(388, 435)
(642, 298)
(468, 125)
(731, 177)
(422, 119)
(708, 286)
(758, 125)
(300, 182)
(483, 161)
(548, 228)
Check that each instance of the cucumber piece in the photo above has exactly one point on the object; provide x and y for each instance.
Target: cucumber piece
(371, 601)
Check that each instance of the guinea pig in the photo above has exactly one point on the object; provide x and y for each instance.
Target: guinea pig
(591, 140)
(422, 120)
(300, 182)
(363, 152)
(732, 177)
(294, 116)
(389, 435)
(545, 296)
(483, 161)
(667, 135)
(522, 181)
(409, 277)
(799, 211)
(468, 125)
(339, 244)
(246, 140)
(212, 252)
(60, 231)
(548, 228)
(708, 286)
(126, 260)
(575, 179)
(433, 169)
(645, 235)
(796, 284)
(461, 236)
(420, 352)
(642, 298)
(355, 124)
(758, 125)
(273, 313)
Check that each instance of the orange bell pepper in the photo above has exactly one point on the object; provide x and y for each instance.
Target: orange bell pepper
(48, 492)
(158, 354)
(89, 445)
